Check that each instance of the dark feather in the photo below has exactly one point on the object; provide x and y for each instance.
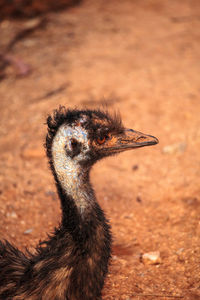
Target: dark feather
(73, 262)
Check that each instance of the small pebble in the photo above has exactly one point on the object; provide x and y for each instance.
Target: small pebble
(52, 194)
(12, 215)
(174, 148)
(135, 167)
(138, 199)
(151, 258)
(28, 231)
(180, 255)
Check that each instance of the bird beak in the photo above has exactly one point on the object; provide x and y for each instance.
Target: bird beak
(130, 139)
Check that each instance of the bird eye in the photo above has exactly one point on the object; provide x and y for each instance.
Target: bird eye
(101, 140)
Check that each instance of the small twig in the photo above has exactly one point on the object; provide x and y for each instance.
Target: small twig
(158, 296)
(56, 91)
(52, 92)
(25, 32)
(6, 59)
(185, 19)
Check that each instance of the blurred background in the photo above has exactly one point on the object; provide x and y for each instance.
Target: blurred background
(141, 57)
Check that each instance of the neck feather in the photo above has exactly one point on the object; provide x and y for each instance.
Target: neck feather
(72, 178)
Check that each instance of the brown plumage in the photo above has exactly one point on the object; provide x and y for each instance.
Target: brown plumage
(73, 262)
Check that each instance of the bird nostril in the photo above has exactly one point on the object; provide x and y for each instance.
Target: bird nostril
(141, 138)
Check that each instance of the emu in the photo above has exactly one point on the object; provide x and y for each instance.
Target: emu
(73, 262)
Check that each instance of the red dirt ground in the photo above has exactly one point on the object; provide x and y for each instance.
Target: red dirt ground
(143, 56)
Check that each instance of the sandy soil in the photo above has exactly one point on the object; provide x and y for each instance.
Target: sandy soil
(143, 57)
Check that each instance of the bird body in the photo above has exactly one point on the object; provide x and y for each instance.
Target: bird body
(73, 262)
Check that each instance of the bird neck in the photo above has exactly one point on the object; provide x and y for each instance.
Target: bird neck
(83, 240)
(72, 179)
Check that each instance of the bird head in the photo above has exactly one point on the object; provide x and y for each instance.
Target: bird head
(89, 135)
